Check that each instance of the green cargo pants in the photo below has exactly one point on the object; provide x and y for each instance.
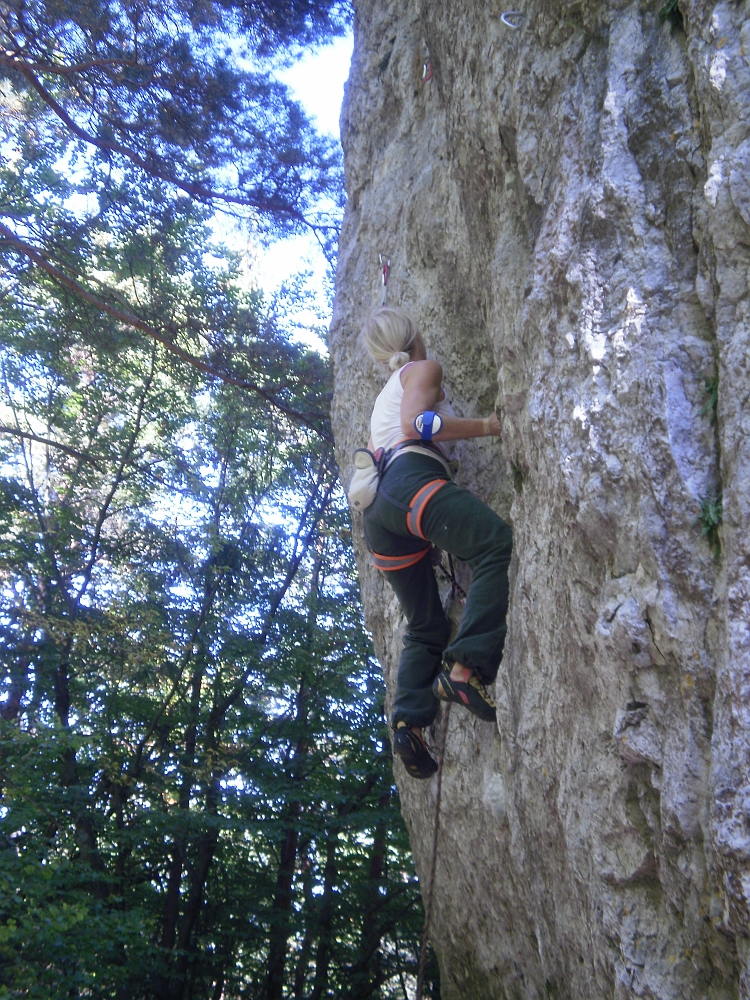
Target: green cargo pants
(458, 523)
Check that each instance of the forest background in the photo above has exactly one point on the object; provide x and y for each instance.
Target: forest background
(197, 792)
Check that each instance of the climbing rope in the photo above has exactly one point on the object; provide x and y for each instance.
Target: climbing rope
(456, 587)
(433, 863)
(448, 574)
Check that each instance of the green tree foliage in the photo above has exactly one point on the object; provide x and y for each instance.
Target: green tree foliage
(169, 88)
(197, 790)
(98, 100)
(197, 798)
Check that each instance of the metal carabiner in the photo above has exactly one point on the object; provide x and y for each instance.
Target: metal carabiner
(385, 271)
(385, 267)
(517, 14)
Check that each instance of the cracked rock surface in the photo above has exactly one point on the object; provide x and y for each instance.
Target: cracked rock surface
(566, 209)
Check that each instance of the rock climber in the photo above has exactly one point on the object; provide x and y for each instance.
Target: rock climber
(417, 506)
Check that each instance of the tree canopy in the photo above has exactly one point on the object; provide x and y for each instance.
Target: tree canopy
(177, 90)
(111, 110)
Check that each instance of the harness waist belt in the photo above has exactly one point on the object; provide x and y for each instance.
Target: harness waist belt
(402, 449)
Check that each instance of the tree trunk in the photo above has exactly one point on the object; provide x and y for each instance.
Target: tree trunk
(19, 680)
(325, 920)
(303, 958)
(172, 901)
(282, 905)
(206, 850)
(366, 973)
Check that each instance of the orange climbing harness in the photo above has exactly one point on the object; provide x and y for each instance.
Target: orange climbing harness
(414, 514)
(418, 504)
(389, 563)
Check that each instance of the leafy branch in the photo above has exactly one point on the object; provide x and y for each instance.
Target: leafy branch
(130, 319)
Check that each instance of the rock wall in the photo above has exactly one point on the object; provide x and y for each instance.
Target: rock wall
(566, 208)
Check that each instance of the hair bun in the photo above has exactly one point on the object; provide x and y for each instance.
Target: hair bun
(398, 360)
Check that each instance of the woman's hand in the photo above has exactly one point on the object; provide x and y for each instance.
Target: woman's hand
(493, 426)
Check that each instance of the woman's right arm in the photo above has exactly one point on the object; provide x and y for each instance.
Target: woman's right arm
(422, 383)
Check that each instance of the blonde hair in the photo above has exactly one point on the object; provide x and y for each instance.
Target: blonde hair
(388, 335)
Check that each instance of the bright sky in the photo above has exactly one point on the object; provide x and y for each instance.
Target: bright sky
(317, 82)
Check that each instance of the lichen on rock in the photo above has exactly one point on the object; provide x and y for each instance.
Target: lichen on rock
(566, 209)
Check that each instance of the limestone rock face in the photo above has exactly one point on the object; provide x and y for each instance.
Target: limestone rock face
(566, 209)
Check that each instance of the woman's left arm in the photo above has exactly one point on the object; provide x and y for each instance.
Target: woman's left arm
(422, 384)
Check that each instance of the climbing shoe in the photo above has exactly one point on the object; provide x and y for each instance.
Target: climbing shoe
(413, 752)
(472, 694)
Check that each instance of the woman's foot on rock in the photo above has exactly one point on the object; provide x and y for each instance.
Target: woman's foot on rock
(411, 748)
(472, 694)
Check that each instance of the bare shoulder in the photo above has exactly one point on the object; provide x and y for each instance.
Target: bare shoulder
(423, 373)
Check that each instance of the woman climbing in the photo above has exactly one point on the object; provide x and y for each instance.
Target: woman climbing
(418, 506)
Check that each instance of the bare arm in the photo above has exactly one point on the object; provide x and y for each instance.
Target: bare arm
(422, 382)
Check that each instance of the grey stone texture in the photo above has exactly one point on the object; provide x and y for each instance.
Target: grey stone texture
(566, 208)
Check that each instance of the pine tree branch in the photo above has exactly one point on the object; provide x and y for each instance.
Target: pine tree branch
(130, 319)
(52, 444)
(220, 710)
(199, 191)
(12, 59)
(117, 480)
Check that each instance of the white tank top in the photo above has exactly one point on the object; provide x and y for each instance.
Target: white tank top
(385, 423)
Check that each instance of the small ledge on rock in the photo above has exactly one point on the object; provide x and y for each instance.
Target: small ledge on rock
(647, 869)
(636, 737)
